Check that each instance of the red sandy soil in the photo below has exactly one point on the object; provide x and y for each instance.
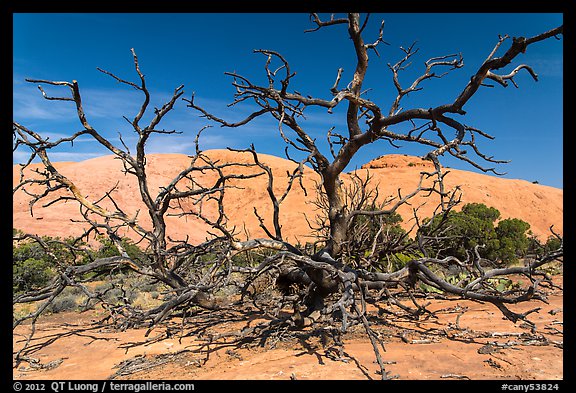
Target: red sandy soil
(541, 206)
(426, 353)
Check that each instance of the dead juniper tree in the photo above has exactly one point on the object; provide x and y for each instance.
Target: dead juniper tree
(367, 122)
(327, 290)
(176, 263)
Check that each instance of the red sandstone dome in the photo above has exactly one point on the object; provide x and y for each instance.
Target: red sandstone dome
(541, 206)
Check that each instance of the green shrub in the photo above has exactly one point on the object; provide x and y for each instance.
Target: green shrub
(474, 226)
(31, 267)
(513, 242)
(108, 249)
(30, 274)
(552, 244)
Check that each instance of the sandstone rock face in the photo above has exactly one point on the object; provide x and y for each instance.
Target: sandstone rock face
(541, 206)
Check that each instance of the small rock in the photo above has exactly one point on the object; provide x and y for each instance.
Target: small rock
(488, 349)
(493, 363)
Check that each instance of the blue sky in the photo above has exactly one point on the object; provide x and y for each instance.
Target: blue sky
(196, 49)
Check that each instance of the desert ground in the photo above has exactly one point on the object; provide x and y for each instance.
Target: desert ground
(459, 340)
